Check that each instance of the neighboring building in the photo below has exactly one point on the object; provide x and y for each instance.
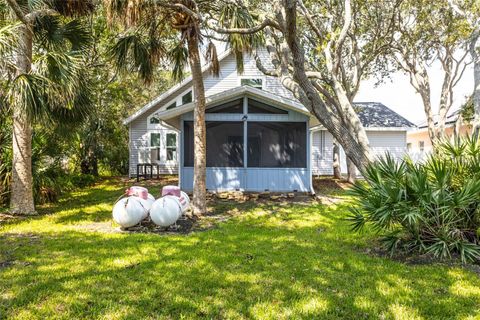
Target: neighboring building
(418, 141)
(258, 136)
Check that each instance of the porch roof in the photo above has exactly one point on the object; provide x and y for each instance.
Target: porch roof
(172, 116)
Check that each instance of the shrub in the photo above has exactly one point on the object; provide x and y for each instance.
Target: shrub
(431, 207)
(83, 180)
(50, 183)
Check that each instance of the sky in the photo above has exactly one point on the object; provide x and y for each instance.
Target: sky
(399, 95)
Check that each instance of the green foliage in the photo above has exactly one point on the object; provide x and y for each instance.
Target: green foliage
(153, 35)
(77, 102)
(50, 176)
(231, 16)
(467, 111)
(431, 207)
(55, 90)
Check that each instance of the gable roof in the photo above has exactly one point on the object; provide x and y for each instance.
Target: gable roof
(376, 114)
(170, 91)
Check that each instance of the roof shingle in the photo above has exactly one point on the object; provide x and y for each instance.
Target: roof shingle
(376, 114)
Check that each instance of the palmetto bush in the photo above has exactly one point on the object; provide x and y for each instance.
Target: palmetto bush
(431, 207)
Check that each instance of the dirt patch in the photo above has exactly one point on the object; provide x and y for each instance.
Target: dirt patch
(163, 180)
(328, 184)
(184, 225)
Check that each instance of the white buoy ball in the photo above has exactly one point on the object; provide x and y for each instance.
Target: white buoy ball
(165, 211)
(128, 212)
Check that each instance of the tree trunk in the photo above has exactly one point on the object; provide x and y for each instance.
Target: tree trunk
(348, 130)
(21, 201)
(200, 136)
(337, 173)
(422, 85)
(458, 126)
(474, 51)
(351, 171)
(445, 98)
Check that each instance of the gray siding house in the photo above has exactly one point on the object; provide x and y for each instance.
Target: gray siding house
(258, 136)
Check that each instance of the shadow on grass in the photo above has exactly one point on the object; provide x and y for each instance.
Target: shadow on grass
(254, 267)
(272, 261)
(95, 203)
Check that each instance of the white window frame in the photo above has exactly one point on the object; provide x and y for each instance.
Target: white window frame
(163, 145)
(263, 78)
(150, 147)
(176, 146)
(421, 146)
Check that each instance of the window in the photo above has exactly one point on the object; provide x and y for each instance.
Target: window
(421, 146)
(155, 143)
(277, 145)
(171, 147)
(252, 82)
(154, 120)
(224, 144)
(154, 139)
(235, 106)
(409, 147)
(187, 98)
(171, 106)
(260, 107)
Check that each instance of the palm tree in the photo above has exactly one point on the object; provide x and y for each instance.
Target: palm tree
(156, 31)
(41, 48)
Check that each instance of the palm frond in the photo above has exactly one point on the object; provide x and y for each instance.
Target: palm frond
(53, 33)
(232, 16)
(8, 41)
(27, 92)
(434, 205)
(178, 56)
(137, 53)
(73, 8)
(212, 58)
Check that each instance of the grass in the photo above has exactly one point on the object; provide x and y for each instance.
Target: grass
(273, 261)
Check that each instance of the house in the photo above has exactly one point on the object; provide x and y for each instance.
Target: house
(259, 137)
(418, 140)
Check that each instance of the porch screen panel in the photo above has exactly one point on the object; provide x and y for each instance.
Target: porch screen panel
(188, 144)
(224, 144)
(277, 145)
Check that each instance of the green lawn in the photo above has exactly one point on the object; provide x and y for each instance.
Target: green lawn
(270, 261)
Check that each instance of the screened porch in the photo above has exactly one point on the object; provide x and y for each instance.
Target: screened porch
(252, 145)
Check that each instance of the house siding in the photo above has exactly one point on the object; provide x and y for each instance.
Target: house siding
(381, 142)
(421, 135)
(139, 138)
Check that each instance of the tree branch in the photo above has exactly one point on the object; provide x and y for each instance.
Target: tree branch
(266, 23)
(18, 11)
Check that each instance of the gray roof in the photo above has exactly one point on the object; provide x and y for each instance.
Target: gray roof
(451, 119)
(376, 114)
